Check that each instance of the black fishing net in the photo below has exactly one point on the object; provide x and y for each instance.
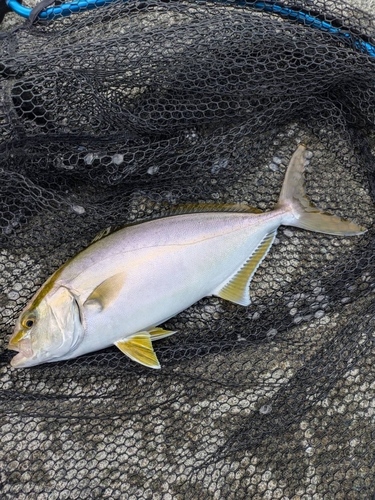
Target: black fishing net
(117, 115)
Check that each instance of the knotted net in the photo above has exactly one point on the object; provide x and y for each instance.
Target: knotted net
(116, 115)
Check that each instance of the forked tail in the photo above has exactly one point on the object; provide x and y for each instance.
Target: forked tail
(307, 216)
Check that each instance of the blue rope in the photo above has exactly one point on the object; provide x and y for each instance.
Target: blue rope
(62, 10)
(301, 17)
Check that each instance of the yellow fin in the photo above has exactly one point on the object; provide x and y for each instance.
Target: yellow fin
(236, 289)
(158, 333)
(106, 292)
(139, 348)
(213, 207)
(307, 216)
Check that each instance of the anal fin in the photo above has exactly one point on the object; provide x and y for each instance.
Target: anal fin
(139, 348)
(236, 288)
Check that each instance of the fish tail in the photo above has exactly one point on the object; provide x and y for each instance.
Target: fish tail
(307, 216)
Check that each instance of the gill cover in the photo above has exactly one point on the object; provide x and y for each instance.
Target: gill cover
(56, 330)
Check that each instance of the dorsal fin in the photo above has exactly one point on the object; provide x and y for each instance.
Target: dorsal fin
(189, 208)
(236, 289)
(185, 208)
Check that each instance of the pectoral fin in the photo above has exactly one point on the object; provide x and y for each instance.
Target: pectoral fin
(106, 292)
(236, 289)
(139, 348)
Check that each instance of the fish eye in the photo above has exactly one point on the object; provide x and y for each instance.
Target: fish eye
(28, 323)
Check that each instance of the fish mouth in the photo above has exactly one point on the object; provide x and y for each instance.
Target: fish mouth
(25, 353)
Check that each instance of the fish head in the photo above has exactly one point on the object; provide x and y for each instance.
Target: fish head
(47, 329)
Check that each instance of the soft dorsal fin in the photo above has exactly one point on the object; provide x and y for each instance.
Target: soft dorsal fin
(139, 348)
(236, 289)
(185, 208)
(106, 292)
(188, 208)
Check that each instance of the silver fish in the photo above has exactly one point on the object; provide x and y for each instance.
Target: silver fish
(120, 288)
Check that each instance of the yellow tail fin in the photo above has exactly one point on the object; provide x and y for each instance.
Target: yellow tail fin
(307, 216)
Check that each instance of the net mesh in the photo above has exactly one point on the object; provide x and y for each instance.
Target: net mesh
(118, 114)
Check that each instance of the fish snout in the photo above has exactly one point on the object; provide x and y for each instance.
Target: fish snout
(21, 343)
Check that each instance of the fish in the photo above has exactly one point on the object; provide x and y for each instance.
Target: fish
(122, 287)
